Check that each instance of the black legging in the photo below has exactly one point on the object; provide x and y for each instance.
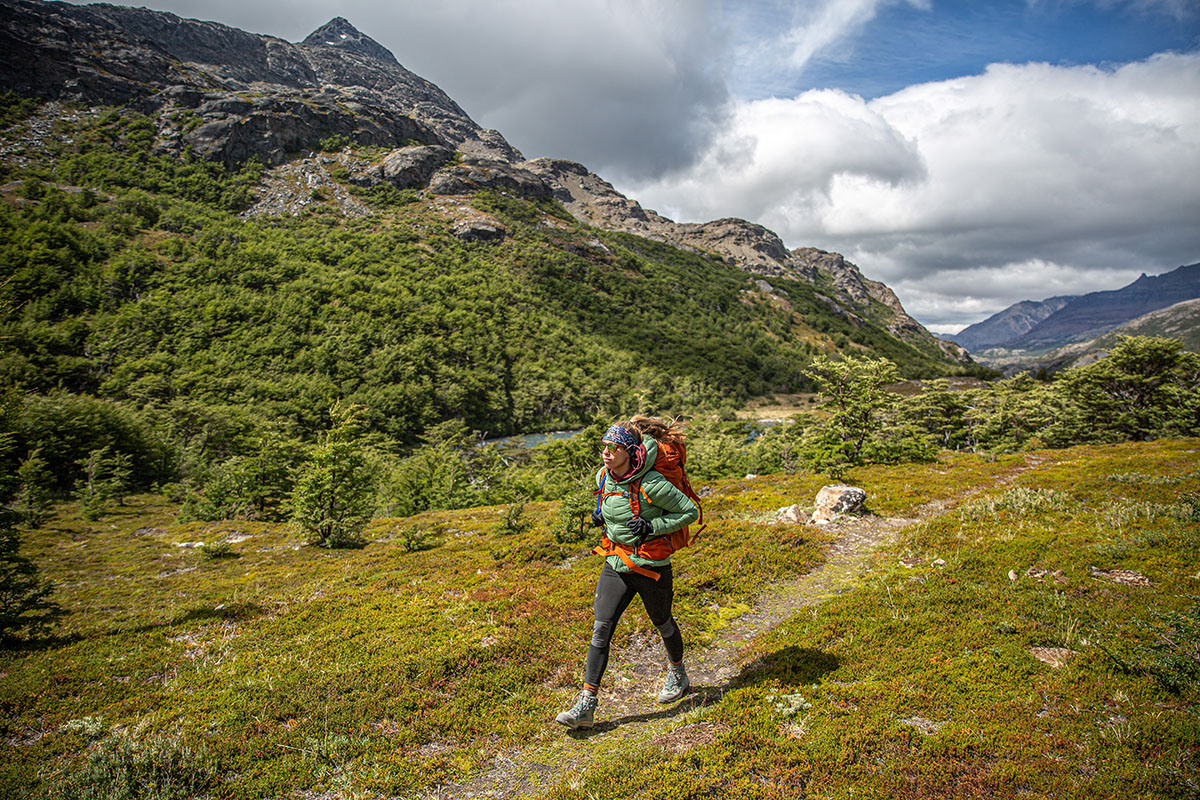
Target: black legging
(614, 591)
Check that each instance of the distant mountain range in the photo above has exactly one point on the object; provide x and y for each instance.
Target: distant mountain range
(1180, 321)
(1040, 327)
(1011, 323)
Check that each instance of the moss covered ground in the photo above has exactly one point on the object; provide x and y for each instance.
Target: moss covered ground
(1034, 632)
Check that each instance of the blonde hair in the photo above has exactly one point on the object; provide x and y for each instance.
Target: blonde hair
(660, 430)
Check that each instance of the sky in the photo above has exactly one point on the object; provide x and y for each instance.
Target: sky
(968, 154)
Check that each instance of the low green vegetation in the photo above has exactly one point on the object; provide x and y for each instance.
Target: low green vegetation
(1035, 632)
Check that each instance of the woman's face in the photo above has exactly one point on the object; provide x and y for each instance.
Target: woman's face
(616, 457)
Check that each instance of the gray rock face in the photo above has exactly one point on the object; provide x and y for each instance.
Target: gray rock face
(235, 129)
(592, 199)
(339, 33)
(477, 231)
(475, 174)
(146, 59)
(408, 167)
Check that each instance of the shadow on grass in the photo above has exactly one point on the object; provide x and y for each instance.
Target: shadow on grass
(32, 644)
(794, 665)
(233, 612)
(790, 664)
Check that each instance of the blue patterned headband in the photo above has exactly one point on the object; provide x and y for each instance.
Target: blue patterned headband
(619, 435)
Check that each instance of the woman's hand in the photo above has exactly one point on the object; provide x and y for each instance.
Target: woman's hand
(597, 520)
(641, 528)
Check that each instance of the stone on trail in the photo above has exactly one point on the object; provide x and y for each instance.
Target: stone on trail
(792, 515)
(835, 500)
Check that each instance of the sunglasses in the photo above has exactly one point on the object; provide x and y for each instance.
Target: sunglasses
(610, 447)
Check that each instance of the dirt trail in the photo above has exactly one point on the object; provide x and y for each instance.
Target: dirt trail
(628, 709)
(629, 713)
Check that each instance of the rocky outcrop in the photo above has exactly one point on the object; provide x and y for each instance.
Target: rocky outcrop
(475, 174)
(591, 199)
(477, 231)
(408, 167)
(746, 244)
(793, 515)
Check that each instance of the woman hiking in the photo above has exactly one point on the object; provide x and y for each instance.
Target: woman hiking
(631, 514)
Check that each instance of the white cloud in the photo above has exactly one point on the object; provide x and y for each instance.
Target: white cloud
(832, 23)
(1079, 167)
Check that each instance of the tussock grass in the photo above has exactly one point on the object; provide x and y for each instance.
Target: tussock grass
(1019, 502)
(389, 670)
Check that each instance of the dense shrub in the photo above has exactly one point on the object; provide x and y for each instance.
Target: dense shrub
(334, 493)
(67, 429)
(25, 605)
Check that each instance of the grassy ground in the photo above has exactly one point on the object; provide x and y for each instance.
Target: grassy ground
(1034, 635)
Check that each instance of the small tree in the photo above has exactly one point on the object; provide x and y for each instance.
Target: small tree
(715, 448)
(575, 517)
(334, 493)
(25, 605)
(452, 469)
(940, 412)
(512, 521)
(854, 394)
(252, 486)
(105, 477)
(33, 494)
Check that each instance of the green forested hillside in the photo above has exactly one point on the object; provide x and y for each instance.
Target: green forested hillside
(141, 312)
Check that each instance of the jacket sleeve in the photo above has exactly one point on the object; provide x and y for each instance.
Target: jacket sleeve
(676, 508)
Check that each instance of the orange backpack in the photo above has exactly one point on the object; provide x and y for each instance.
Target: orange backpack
(669, 464)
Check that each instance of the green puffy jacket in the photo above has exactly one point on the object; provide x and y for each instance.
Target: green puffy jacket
(668, 510)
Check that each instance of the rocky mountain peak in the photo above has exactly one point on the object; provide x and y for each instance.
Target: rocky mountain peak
(339, 33)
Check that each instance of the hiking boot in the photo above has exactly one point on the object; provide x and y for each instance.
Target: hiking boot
(581, 714)
(676, 684)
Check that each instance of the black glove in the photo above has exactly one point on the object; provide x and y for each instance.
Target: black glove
(641, 529)
(597, 520)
